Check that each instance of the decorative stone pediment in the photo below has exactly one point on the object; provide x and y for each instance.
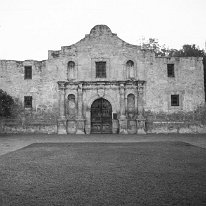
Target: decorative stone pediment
(101, 91)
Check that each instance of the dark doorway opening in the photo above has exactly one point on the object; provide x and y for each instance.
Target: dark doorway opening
(101, 116)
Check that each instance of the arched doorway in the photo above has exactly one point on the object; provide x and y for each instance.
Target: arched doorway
(101, 116)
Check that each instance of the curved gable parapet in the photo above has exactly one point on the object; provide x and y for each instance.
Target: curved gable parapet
(103, 34)
(99, 35)
(100, 30)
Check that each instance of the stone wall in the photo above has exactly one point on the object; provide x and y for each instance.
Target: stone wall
(178, 122)
(103, 45)
(19, 126)
(41, 87)
(188, 83)
(12, 78)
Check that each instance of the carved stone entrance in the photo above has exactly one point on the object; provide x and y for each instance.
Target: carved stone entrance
(101, 116)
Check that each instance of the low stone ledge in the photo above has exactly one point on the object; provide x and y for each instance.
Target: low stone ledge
(16, 127)
(175, 127)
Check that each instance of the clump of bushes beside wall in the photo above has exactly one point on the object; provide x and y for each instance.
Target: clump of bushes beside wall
(6, 104)
(199, 115)
(14, 118)
(177, 120)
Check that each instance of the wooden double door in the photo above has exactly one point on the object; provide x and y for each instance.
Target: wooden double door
(101, 116)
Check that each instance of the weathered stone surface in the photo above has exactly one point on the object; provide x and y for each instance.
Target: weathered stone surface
(133, 89)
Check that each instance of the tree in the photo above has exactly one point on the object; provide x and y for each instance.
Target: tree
(187, 51)
(6, 103)
(153, 45)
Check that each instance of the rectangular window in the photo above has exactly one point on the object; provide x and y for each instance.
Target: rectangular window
(114, 115)
(100, 69)
(27, 72)
(28, 102)
(170, 70)
(175, 100)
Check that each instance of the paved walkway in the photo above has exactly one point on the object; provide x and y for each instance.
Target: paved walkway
(12, 142)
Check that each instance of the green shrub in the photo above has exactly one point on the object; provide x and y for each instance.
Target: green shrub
(6, 104)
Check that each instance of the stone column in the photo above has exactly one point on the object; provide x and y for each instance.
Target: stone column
(61, 126)
(122, 120)
(80, 119)
(140, 117)
(122, 101)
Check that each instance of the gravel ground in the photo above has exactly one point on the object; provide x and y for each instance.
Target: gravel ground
(12, 142)
(151, 173)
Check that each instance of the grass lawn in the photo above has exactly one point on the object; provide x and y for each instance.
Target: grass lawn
(145, 173)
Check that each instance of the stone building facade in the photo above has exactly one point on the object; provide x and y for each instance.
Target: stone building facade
(102, 84)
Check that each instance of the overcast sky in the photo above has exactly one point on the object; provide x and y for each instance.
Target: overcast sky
(29, 28)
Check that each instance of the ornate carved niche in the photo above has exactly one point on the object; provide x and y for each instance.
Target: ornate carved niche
(71, 107)
(130, 69)
(131, 106)
(71, 70)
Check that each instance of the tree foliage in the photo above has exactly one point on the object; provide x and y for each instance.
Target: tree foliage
(188, 51)
(161, 50)
(153, 45)
(6, 104)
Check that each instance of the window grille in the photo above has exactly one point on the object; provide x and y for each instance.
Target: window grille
(114, 115)
(27, 72)
(170, 70)
(28, 102)
(175, 100)
(100, 69)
